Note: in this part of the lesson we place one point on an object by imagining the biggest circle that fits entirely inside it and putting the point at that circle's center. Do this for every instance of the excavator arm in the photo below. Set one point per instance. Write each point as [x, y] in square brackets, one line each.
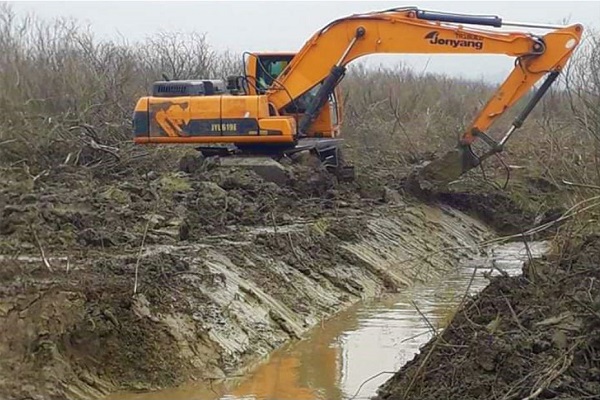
[324, 57]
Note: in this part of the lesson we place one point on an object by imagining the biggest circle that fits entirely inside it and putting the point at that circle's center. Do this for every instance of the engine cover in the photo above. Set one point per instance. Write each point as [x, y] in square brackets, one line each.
[207, 87]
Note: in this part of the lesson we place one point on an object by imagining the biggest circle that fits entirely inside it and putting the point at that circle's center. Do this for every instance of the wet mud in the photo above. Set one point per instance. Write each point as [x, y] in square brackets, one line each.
[165, 278]
[509, 206]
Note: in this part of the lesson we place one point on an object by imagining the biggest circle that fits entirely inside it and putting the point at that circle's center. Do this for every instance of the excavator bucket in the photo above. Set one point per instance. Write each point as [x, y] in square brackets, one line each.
[439, 173]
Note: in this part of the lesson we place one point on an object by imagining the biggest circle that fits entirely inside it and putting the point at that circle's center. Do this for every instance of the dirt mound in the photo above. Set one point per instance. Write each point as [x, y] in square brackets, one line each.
[222, 200]
[81, 334]
[70, 208]
[535, 335]
[524, 203]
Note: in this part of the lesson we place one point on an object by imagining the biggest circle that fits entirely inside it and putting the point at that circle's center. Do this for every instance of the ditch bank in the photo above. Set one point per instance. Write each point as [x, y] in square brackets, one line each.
[160, 279]
[523, 337]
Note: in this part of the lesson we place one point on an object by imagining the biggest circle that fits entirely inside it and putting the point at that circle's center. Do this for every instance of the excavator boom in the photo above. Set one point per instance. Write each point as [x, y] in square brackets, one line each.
[409, 30]
[393, 32]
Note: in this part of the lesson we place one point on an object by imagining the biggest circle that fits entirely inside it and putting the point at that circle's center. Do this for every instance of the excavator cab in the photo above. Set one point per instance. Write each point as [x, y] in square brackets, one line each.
[262, 73]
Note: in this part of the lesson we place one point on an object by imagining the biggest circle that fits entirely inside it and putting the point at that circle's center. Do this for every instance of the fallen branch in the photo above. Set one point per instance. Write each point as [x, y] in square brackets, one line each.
[513, 313]
[553, 374]
[137, 262]
[41, 250]
[107, 149]
[89, 133]
[367, 381]
[429, 324]
[8, 142]
[500, 270]
[586, 306]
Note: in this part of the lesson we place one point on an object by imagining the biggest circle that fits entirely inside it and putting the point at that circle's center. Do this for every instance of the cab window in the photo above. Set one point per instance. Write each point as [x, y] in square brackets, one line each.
[333, 106]
[268, 69]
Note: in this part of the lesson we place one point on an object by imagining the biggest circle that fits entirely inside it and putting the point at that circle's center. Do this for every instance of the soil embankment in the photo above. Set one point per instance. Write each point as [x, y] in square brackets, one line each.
[225, 267]
[524, 337]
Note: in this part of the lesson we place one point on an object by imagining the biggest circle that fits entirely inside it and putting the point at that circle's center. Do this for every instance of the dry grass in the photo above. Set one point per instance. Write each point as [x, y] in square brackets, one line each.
[67, 98]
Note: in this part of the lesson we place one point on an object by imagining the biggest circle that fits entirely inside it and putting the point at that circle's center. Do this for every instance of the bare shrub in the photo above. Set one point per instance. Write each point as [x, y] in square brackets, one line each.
[427, 111]
[583, 82]
[68, 98]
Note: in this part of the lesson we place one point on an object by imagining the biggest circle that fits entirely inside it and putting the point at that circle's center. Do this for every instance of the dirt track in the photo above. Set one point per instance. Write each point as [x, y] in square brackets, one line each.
[230, 268]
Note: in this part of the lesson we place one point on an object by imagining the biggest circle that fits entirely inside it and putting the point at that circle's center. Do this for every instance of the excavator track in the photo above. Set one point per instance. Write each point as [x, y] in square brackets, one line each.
[330, 155]
[271, 165]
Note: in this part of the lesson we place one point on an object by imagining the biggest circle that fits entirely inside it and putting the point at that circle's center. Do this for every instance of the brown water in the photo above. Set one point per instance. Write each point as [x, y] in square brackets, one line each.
[352, 354]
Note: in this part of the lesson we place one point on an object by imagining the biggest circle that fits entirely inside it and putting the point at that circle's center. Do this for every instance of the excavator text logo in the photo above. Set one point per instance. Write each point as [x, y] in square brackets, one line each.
[462, 40]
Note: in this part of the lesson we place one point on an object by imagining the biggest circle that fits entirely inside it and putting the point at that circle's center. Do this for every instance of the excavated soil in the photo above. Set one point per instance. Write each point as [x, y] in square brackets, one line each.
[153, 280]
[531, 336]
[526, 200]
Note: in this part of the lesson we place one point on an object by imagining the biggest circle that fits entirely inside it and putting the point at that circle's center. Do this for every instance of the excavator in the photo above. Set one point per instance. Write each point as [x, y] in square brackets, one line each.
[286, 103]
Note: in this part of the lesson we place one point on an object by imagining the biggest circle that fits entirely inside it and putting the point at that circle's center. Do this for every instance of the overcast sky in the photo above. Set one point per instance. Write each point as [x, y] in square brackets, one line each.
[279, 26]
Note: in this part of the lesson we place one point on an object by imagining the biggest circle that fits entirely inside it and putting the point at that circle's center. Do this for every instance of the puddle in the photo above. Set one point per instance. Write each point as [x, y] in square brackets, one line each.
[370, 338]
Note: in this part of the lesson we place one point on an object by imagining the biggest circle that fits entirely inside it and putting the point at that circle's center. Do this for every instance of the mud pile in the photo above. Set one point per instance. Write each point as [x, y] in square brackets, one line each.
[525, 202]
[160, 278]
[68, 208]
[531, 336]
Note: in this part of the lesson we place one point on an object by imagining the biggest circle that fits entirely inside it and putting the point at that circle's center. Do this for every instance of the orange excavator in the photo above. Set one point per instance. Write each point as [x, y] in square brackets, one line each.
[289, 102]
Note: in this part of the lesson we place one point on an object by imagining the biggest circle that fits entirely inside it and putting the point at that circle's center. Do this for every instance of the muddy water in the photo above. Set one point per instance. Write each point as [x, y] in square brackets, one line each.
[352, 354]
